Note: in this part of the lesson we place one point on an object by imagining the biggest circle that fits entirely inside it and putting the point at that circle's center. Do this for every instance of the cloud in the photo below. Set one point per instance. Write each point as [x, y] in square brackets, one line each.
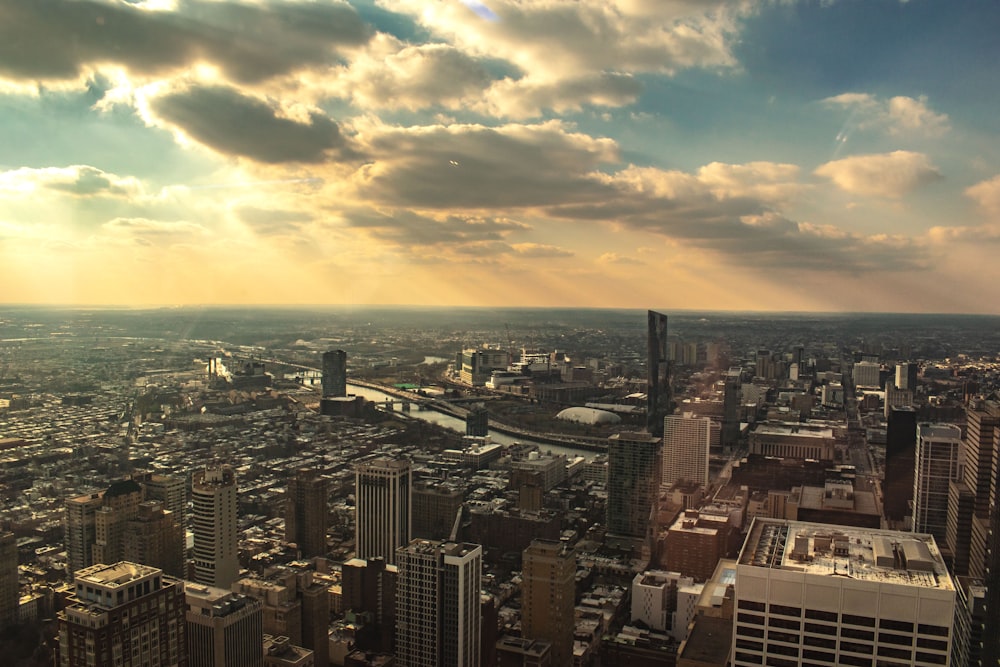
[143, 231]
[540, 250]
[75, 180]
[473, 166]
[551, 40]
[232, 123]
[890, 175]
[897, 115]
[393, 75]
[272, 220]
[408, 228]
[247, 41]
[986, 194]
[527, 97]
[615, 258]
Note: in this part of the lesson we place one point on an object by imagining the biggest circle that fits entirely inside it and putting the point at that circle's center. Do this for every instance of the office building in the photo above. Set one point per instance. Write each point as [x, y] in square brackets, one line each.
[696, 542]
[281, 652]
[794, 441]
[306, 503]
[896, 398]
[937, 465]
[438, 613]
[477, 422]
[665, 602]
[369, 589]
[866, 374]
[436, 509]
[168, 489]
[900, 460]
[9, 591]
[81, 512]
[520, 652]
[658, 398]
[154, 537]
[732, 397]
[334, 374]
[223, 628]
[383, 510]
[835, 595]
[476, 366]
[686, 441]
[213, 520]
[123, 615]
[633, 482]
[906, 376]
[120, 504]
[548, 597]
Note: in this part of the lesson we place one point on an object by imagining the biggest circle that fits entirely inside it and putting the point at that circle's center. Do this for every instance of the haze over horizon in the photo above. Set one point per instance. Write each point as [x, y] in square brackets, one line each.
[744, 156]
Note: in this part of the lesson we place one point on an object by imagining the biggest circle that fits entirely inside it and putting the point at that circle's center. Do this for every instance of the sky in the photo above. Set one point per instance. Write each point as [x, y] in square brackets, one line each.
[775, 155]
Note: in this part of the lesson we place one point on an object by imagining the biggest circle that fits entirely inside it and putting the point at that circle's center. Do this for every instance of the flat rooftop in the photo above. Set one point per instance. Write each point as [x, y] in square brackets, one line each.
[118, 574]
[886, 556]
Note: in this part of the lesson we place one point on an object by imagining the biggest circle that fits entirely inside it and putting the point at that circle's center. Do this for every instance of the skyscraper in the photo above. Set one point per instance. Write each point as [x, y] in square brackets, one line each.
[937, 465]
[900, 448]
[731, 399]
[686, 441]
[224, 629]
[438, 609]
[306, 512]
[549, 596]
[9, 593]
[383, 514]
[120, 504]
[334, 374]
[153, 537]
[123, 615]
[633, 481]
[81, 514]
[906, 376]
[658, 399]
[213, 496]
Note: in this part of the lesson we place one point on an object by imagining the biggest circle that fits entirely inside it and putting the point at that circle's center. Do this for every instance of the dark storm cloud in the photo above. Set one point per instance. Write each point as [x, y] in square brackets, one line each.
[56, 39]
[235, 124]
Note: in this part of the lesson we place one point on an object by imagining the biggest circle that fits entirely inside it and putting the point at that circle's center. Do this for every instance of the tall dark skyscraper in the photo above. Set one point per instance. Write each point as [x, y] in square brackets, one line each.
[477, 422]
[658, 370]
[732, 395]
[334, 374]
[306, 512]
[900, 462]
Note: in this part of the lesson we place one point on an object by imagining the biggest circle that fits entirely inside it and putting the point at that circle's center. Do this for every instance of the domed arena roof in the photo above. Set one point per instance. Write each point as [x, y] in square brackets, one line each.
[588, 416]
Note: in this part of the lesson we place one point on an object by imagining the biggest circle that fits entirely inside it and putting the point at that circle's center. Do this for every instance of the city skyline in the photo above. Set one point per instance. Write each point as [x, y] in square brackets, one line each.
[755, 156]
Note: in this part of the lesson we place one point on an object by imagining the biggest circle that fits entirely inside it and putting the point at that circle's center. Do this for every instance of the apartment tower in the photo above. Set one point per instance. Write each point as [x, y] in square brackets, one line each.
[900, 460]
[438, 609]
[383, 514]
[938, 457]
[633, 480]
[334, 374]
[658, 399]
[213, 496]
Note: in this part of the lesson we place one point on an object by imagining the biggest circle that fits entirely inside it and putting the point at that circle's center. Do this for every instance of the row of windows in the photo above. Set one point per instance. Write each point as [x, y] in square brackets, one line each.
[846, 619]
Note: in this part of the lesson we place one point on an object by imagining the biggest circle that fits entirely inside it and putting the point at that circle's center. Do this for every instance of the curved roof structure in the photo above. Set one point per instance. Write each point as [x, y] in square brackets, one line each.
[588, 416]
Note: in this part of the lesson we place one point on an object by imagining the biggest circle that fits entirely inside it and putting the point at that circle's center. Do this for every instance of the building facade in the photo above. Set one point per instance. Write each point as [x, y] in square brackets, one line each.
[658, 398]
[213, 496]
[900, 461]
[334, 377]
[383, 510]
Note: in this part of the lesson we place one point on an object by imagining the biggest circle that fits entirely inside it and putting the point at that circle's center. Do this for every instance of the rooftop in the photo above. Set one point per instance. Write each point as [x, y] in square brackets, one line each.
[118, 574]
[909, 559]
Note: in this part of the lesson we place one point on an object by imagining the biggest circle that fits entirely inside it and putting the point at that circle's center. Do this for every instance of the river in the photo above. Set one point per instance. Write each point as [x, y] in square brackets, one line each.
[456, 424]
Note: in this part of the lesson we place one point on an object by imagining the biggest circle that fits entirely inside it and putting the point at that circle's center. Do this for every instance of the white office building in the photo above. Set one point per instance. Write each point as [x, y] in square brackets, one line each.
[818, 594]
[213, 521]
